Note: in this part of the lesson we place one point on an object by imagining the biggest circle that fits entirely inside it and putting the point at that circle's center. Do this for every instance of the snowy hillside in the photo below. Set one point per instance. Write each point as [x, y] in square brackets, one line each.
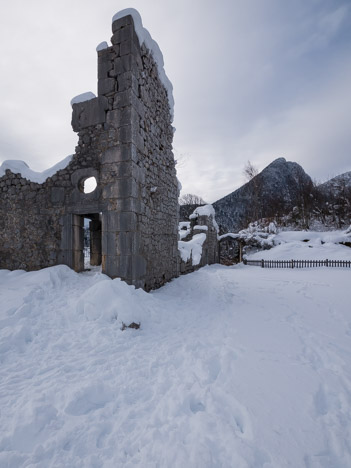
[232, 367]
[278, 188]
[285, 194]
[337, 184]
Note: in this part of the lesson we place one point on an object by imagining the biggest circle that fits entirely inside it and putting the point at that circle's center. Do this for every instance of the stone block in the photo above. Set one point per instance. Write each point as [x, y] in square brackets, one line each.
[122, 99]
[109, 265]
[110, 222]
[126, 34]
[140, 143]
[104, 66]
[111, 118]
[124, 64]
[66, 233]
[106, 86]
[125, 266]
[126, 81]
[128, 133]
[106, 55]
[124, 169]
[111, 243]
[127, 221]
[129, 204]
[88, 113]
[125, 116]
[116, 154]
[77, 220]
[117, 170]
[126, 47]
[127, 188]
[120, 153]
[124, 243]
[103, 242]
[78, 237]
[128, 243]
[118, 266]
[138, 267]
[121, 23]
[78, 260]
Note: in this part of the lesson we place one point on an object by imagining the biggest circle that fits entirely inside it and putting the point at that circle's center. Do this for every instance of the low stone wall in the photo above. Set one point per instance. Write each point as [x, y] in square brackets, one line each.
[202, 221]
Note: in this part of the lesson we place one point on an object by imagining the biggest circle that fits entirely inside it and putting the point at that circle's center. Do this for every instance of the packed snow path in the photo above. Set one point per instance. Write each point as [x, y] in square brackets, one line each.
[232, 367]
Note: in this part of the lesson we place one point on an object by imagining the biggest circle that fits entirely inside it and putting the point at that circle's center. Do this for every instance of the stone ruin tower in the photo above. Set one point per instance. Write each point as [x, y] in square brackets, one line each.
[125, 142]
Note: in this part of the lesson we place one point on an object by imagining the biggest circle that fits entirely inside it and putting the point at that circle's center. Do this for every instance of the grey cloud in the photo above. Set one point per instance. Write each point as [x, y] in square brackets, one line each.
[252, 80]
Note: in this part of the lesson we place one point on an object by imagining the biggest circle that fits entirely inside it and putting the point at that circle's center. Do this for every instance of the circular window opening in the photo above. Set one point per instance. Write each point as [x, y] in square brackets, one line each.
[88, 185]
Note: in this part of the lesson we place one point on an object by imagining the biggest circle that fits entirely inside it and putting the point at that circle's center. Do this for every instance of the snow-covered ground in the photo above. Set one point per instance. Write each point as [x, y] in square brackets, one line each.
[307, 245]
[232, 367]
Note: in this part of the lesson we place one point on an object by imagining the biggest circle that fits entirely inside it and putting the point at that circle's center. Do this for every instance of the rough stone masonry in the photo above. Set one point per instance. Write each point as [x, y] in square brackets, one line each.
[125, 142]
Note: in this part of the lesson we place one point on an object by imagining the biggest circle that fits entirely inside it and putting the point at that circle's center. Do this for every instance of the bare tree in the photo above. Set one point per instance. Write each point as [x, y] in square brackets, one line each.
[191, 199]
[250, 171]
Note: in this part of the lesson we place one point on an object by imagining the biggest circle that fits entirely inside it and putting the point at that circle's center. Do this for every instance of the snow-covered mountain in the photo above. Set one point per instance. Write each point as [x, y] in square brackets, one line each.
[277, 189]
[337, 184]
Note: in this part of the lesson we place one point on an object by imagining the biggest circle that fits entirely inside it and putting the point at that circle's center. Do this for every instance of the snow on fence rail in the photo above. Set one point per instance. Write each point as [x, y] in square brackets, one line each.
[299, 263]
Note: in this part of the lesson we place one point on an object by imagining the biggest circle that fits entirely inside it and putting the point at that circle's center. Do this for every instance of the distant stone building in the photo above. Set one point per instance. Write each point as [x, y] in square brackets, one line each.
[125, 143]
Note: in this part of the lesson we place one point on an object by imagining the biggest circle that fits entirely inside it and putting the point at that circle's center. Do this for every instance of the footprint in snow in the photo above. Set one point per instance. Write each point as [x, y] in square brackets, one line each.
[89, 399]
[196, 406]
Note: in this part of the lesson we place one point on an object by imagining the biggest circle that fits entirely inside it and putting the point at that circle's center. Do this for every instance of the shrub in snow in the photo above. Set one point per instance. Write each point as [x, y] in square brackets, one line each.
[134, 325]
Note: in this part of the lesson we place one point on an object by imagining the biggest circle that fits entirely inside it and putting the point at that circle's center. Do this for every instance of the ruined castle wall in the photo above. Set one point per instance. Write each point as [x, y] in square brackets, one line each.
[33, 215]
[158, 187]
[202, 224]
[29, 229]
[125, 142]
[145, 239]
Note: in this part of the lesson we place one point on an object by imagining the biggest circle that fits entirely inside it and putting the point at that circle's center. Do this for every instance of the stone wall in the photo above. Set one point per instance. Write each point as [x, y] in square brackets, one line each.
[29, 225]
[125, 142]
[206, 224]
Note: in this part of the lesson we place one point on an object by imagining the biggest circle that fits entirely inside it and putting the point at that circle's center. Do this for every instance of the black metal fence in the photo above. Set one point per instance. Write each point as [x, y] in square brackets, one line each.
[299, 263]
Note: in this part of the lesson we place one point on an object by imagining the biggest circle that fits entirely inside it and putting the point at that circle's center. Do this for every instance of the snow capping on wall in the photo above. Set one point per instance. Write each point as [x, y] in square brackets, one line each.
[206, 210]
[20, 167]
[192, 249]
[83, 97]
[145, 38]
[102, 46]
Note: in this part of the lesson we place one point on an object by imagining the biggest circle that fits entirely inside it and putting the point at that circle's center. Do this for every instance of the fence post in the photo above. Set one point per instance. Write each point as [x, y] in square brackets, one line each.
[326, 262]
[244, 261]
[262, 263]
[292, 263]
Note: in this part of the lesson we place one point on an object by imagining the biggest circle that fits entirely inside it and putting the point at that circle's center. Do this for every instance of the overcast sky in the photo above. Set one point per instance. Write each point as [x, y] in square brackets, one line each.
[253, 80]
